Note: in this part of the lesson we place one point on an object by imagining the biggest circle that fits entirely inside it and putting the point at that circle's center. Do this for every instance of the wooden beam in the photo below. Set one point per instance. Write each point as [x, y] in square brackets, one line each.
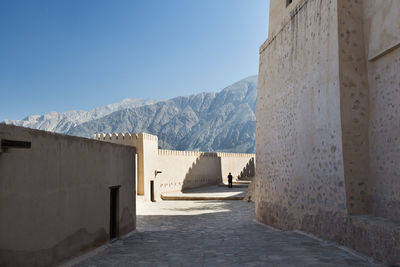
[5, 143]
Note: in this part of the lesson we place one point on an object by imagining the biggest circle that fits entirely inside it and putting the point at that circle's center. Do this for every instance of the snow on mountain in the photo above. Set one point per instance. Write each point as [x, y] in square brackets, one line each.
[223, 121]
[63, 122]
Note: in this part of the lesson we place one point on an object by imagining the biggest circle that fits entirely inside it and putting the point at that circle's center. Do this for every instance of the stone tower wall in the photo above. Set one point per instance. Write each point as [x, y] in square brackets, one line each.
[299, 144]
[328, 133]
[382, 51]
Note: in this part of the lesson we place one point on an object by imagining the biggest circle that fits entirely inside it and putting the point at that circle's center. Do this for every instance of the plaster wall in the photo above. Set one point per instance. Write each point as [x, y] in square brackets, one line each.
[300, 172]
[241, 165]
[277, 23]
[186, 169]
[382, 39]
[382, 27]
[127, 139]
[55, 196]
[327, 132]
[354, 105]
[147, 159]
[181, 170]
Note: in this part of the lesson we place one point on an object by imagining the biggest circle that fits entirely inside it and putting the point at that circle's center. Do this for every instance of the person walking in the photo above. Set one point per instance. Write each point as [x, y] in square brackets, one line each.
[230, 177]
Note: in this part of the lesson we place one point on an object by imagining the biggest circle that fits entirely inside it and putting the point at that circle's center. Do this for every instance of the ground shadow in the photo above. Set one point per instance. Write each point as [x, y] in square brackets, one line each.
[226, 237]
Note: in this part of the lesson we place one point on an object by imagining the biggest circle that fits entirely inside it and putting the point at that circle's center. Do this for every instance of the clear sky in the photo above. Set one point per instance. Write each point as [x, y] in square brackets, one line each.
[59, 55]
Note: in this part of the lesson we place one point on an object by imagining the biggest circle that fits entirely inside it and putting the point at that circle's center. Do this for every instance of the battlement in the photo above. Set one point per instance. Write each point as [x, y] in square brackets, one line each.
[120, 138]
[114, 136]
[165, 152]
[235, 155]
[150, 137]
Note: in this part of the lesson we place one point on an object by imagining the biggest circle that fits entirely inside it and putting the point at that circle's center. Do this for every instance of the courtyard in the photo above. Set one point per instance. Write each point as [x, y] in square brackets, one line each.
[214, 233]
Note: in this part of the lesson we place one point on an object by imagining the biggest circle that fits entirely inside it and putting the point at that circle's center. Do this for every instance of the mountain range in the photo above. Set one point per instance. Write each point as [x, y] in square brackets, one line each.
[222, 121]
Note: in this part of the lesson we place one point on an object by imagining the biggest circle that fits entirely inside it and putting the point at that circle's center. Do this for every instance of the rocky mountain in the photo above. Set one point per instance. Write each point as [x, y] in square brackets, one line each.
[223, 121]
[63, 122]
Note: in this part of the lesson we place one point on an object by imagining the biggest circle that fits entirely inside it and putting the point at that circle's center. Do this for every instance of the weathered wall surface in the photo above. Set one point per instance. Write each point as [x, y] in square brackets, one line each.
[381, 27]
[299, 145]
[354, 105]
[55, 196]
[385, 135]
[327, 123]
[382, 38]
[277, 23]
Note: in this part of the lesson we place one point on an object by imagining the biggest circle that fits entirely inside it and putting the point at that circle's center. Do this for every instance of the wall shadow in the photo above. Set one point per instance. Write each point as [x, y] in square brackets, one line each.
[203, 171]
[249, 171]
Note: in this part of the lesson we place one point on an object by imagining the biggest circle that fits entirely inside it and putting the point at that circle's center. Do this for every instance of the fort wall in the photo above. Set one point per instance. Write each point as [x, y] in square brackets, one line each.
[55, 195]
[174, 171]
[299, 144]
[186, 169]
[327, 137]
[241, 165]
[382, 40]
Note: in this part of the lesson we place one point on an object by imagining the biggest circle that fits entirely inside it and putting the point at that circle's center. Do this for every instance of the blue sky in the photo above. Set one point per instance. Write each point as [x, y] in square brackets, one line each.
[59, 55]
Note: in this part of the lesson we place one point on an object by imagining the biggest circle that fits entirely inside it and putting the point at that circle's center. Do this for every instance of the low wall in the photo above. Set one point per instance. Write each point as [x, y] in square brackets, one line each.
[55, 196]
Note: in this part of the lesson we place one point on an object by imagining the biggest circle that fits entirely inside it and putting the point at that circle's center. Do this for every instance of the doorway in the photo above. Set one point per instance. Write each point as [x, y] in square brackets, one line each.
[114, 199]
[152, 191]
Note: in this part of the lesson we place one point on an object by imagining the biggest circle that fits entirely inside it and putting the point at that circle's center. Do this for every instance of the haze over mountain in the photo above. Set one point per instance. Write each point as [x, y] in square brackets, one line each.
[223, 121]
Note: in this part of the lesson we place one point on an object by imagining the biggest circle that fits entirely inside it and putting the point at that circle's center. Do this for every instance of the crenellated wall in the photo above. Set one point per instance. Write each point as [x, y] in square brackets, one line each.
[180, 170]
[121, 138]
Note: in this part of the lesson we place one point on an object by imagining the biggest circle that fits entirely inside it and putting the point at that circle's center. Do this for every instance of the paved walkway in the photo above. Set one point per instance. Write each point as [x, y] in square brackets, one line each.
[214, 233]
[208, 193]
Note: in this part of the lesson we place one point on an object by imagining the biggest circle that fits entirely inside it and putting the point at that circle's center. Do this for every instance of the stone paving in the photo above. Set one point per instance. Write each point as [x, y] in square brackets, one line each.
[214, 233]
[208, 193]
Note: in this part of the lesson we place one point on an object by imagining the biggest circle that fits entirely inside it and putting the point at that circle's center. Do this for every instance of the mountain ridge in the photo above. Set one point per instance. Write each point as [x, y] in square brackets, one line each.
[208, 121]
